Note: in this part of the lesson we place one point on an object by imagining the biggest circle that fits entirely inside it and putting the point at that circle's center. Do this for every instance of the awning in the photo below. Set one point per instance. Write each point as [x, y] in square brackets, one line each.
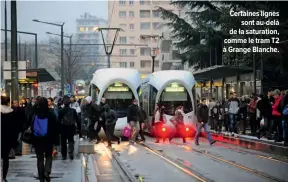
[219, 71]
[44, 75]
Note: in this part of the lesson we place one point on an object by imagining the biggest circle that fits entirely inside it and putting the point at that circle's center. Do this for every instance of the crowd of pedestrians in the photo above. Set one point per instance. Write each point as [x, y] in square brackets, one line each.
[265, 115]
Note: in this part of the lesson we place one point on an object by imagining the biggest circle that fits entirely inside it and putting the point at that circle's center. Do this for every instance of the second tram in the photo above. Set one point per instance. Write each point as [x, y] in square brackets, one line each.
[171, 88]
[119, 86]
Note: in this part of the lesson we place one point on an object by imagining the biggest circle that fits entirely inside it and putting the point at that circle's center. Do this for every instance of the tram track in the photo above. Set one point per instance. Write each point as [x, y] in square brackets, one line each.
[220, 159]
[95, 169]
[188, 171]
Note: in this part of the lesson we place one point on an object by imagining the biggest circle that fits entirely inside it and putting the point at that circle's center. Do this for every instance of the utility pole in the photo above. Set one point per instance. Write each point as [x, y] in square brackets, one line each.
[6, 43]
[14, 56]
[108, 53]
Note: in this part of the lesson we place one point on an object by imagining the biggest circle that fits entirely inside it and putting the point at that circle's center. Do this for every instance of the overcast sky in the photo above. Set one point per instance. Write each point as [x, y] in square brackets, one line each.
[51, 11]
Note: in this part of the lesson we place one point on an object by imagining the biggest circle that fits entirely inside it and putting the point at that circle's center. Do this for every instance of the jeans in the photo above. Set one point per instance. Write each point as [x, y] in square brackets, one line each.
[19, 147]
[206, 129]
[135, 129]
[233, 122]
[44, 150]
[283, 127]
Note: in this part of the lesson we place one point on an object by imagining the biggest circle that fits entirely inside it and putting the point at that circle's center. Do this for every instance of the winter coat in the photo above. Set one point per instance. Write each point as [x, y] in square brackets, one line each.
[9, 134]
[202, 113]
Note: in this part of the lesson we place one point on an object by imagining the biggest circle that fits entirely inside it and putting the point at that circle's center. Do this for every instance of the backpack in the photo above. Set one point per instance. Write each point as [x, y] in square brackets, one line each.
[40, 127]
[68, 119]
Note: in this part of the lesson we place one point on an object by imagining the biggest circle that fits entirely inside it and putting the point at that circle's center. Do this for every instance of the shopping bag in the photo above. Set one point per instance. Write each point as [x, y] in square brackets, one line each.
[27, 136]
[127, 131]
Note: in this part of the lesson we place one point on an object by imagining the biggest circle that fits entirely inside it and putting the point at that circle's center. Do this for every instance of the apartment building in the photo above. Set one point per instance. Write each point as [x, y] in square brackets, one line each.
[137, 19]
[86, 33]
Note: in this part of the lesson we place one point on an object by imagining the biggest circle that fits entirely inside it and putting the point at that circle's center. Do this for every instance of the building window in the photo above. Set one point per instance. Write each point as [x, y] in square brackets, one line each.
[156, 63]
[123, 65]
[131, 14]
[132, 51]
[131, 2]
[86, 29]
[131, 27]
[157, 25]
[131, 39]
[122, 25]
[145, 51]
[123, 52]
[122, 14]
[156, 13]
[131, 64]
[122, 2]
[144, 13]
[81, 29]
[123, 40]
[145, 26]
[143, 2]
[145, 63]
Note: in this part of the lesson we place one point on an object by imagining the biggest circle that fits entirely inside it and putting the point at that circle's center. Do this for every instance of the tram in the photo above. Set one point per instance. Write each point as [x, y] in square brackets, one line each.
[119, 86]
[170, 88]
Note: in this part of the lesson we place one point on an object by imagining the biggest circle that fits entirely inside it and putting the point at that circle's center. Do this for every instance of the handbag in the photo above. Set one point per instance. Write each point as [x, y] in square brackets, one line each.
[27, 136]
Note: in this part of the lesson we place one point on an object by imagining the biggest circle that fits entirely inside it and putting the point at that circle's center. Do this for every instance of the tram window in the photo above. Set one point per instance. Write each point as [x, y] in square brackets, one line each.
[152, 100]
[119, 101]
[172, 100]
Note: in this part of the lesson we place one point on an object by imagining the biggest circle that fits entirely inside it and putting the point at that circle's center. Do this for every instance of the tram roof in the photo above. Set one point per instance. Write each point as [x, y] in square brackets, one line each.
[160, 78]
[104, 76]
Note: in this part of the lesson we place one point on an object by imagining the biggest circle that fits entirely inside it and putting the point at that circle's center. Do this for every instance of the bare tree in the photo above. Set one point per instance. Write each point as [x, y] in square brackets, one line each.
[72, 70]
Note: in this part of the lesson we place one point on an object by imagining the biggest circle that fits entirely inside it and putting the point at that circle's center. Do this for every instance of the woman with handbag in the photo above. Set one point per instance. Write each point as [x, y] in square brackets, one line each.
[9, 133]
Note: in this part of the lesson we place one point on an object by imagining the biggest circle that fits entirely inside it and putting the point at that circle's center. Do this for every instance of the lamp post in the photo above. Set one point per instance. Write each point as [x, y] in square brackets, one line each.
[62, 60]
[69, 59]
[14, 56]
[153, 54]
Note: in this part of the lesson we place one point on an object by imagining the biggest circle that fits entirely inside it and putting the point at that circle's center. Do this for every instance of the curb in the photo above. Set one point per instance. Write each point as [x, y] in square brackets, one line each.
[272, 148]
[123, 167]
[257, 145]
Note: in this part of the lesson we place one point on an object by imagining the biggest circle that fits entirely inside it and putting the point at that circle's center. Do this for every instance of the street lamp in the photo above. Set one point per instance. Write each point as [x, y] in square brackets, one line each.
[70, 55]
[62, 60]
[153, 54]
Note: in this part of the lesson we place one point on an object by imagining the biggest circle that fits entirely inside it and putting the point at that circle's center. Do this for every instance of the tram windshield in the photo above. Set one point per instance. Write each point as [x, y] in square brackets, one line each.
[173, 96]
[119, 96]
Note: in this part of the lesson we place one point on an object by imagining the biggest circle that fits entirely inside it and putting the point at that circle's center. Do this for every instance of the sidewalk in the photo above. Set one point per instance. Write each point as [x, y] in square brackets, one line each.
[250, 142]
[24, 169]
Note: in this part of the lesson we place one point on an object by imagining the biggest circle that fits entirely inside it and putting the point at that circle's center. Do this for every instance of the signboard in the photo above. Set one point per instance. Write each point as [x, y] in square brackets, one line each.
[174, 87]
[118, 89]
[7, 68]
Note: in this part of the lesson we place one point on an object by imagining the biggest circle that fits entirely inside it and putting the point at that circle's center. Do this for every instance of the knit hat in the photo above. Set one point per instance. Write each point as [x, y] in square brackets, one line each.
[88, 99]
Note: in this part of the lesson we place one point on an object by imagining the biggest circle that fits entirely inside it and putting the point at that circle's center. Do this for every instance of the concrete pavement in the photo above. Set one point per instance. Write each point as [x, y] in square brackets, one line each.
[24, 169]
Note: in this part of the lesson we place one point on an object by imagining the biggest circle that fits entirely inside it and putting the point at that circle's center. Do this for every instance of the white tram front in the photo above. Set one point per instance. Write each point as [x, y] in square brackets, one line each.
[171, 88]
[119, 86]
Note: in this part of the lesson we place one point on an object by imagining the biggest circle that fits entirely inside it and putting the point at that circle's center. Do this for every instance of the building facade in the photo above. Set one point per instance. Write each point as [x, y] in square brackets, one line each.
[87, 33]
[137, 19]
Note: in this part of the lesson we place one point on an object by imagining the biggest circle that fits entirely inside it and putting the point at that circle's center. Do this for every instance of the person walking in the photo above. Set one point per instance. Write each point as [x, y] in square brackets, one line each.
[44, 130]
[110, 123]
[9, 134]
[68, 124]
[93, 112]
[202, 116]
[133, 119]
